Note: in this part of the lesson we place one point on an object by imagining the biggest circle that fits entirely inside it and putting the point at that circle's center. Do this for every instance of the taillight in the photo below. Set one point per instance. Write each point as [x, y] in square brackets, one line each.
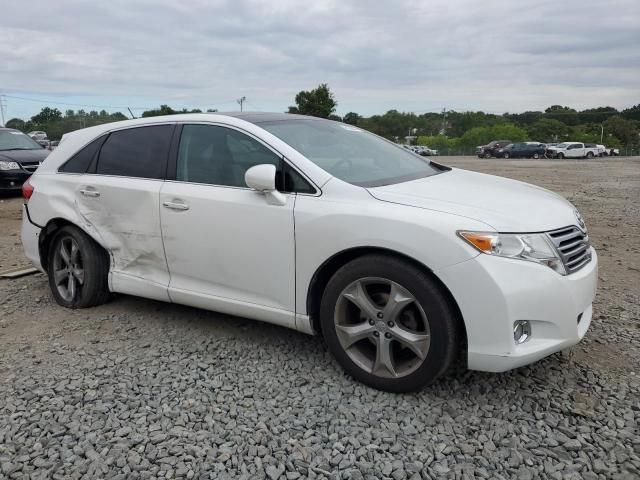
[27, 190]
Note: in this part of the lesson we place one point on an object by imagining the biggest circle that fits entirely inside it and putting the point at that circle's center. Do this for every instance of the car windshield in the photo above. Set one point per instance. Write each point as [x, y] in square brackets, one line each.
[350, 153]
[14, 140]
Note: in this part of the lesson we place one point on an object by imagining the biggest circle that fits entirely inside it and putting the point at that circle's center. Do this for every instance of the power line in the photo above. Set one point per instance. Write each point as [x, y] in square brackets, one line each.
[37, 100]
[121, 107]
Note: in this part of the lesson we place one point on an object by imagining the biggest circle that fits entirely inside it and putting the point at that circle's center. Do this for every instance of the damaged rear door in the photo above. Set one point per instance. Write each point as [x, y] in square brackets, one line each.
[120, 199]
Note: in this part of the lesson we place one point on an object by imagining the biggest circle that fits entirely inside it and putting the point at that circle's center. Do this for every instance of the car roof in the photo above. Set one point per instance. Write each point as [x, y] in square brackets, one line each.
[250, 117]
[259, 117]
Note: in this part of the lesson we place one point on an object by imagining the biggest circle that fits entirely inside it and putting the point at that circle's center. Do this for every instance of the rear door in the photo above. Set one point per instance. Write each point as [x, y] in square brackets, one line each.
[119, 199]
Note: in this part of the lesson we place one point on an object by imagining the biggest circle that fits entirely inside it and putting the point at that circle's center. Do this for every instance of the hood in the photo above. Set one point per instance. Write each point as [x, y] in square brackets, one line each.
[504, 204]
[24, 156]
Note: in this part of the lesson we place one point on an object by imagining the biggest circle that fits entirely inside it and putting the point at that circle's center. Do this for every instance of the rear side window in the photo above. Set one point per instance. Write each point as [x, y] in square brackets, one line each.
[137, 152]
[80, 162]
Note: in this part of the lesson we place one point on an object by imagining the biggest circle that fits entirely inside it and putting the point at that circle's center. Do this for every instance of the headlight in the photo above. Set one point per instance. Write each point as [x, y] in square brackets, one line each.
[533, 247]
[9, 165]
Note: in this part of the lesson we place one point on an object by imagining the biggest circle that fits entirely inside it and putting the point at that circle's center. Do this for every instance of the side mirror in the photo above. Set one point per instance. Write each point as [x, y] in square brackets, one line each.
[262, 178]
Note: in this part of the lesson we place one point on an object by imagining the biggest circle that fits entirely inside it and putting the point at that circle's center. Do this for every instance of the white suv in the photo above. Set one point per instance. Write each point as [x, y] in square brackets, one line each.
[403, 265]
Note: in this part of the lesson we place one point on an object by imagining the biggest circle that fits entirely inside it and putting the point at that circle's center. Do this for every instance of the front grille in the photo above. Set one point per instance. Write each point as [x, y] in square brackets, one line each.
[573, 246]
[30, 167]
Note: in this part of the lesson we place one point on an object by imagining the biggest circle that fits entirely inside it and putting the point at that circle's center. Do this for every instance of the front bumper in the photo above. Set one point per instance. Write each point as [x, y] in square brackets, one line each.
[495, 292]
[12, 180]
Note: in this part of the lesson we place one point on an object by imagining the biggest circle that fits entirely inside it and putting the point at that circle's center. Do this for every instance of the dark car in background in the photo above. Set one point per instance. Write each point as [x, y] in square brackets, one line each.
[20, 155]
[491, 149]
[522, 150]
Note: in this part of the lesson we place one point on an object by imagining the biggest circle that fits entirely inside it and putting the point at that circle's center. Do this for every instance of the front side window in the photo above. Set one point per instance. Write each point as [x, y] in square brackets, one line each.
[350, 153]
[15, 140]
[219, 156]
[136, 152]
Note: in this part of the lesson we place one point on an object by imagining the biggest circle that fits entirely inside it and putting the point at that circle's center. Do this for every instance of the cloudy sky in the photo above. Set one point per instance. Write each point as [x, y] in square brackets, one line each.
[410, 55]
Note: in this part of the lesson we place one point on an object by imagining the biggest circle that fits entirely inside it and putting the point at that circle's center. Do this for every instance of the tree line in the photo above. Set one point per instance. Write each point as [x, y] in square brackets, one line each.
[447, 131]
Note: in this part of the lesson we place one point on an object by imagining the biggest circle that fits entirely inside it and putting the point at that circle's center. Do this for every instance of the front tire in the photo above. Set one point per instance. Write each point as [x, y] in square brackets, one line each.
[536, 156]
[77, 269]
[388, 323]
[560, 156]
[589, 155]
[505, 155]
[487, 155]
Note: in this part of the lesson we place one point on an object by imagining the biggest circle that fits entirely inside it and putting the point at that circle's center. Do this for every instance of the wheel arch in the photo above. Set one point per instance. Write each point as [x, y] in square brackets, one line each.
[47, 234]
[329, 267]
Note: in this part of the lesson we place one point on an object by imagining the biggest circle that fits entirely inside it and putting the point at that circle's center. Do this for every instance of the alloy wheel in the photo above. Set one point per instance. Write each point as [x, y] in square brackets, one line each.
[67, 269]
[381, 327]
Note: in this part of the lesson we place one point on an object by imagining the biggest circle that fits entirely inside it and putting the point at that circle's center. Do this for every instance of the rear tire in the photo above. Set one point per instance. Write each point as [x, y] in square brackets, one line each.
[589, 154]
[536, 156]
[505, 155]
[388, 323]
[78, 269]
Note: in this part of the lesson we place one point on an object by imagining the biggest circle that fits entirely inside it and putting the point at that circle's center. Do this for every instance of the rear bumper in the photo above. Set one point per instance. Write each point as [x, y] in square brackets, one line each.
[494, 292]
[30, 240]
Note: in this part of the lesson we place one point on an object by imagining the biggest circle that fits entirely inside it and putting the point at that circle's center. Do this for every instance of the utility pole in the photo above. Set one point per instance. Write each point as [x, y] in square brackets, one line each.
[443, 130]
[2, 106]
[241, 101]
[601, 132]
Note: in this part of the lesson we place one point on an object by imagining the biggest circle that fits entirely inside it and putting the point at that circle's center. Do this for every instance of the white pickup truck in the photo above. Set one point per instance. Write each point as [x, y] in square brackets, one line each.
[572, 150]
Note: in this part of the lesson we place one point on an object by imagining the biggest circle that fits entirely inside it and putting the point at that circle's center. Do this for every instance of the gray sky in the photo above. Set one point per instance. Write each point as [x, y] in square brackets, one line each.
[495, 56]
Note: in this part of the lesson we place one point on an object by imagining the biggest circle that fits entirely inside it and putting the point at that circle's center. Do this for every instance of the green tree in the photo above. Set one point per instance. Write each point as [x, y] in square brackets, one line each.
[596, 115]
[624, 130]
[548, 130]
[319, 102]
[632, 113]
[352, 118]
[16, 123]
[46, 115]
[163, 110]
[566, 115]
[483, 135]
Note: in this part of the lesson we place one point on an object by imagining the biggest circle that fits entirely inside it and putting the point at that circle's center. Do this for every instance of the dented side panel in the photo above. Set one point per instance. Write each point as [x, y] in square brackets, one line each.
[124, 214]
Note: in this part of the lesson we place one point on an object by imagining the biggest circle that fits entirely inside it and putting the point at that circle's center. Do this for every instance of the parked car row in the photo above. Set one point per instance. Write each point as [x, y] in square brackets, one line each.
[508, 149]
[422, 150]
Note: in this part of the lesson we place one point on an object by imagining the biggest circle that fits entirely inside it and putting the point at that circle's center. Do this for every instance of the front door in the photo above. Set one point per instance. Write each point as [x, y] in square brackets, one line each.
[227, 248]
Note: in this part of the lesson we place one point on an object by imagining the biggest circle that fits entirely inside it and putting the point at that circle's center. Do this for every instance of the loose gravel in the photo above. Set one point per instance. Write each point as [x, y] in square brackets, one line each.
[142, 389]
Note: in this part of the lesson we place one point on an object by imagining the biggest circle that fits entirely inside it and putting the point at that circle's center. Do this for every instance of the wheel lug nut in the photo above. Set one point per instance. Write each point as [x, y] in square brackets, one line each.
[371, 322]
[387, 335]
[380, 315]
[391, 324]
[376, 334]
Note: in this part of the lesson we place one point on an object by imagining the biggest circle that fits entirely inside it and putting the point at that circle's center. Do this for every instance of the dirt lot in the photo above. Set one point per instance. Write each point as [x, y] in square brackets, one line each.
[142, 389]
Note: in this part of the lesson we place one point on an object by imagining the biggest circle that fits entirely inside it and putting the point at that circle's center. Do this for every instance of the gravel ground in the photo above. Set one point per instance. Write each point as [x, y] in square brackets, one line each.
[142, 389]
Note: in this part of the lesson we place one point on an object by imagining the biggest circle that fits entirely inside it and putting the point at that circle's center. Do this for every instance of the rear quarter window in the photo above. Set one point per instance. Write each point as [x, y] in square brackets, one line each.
[81, 161]
[136, 152]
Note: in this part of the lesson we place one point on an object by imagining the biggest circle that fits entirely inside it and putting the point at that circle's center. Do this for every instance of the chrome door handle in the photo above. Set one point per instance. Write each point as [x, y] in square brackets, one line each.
[90, 193]
[176, 205]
